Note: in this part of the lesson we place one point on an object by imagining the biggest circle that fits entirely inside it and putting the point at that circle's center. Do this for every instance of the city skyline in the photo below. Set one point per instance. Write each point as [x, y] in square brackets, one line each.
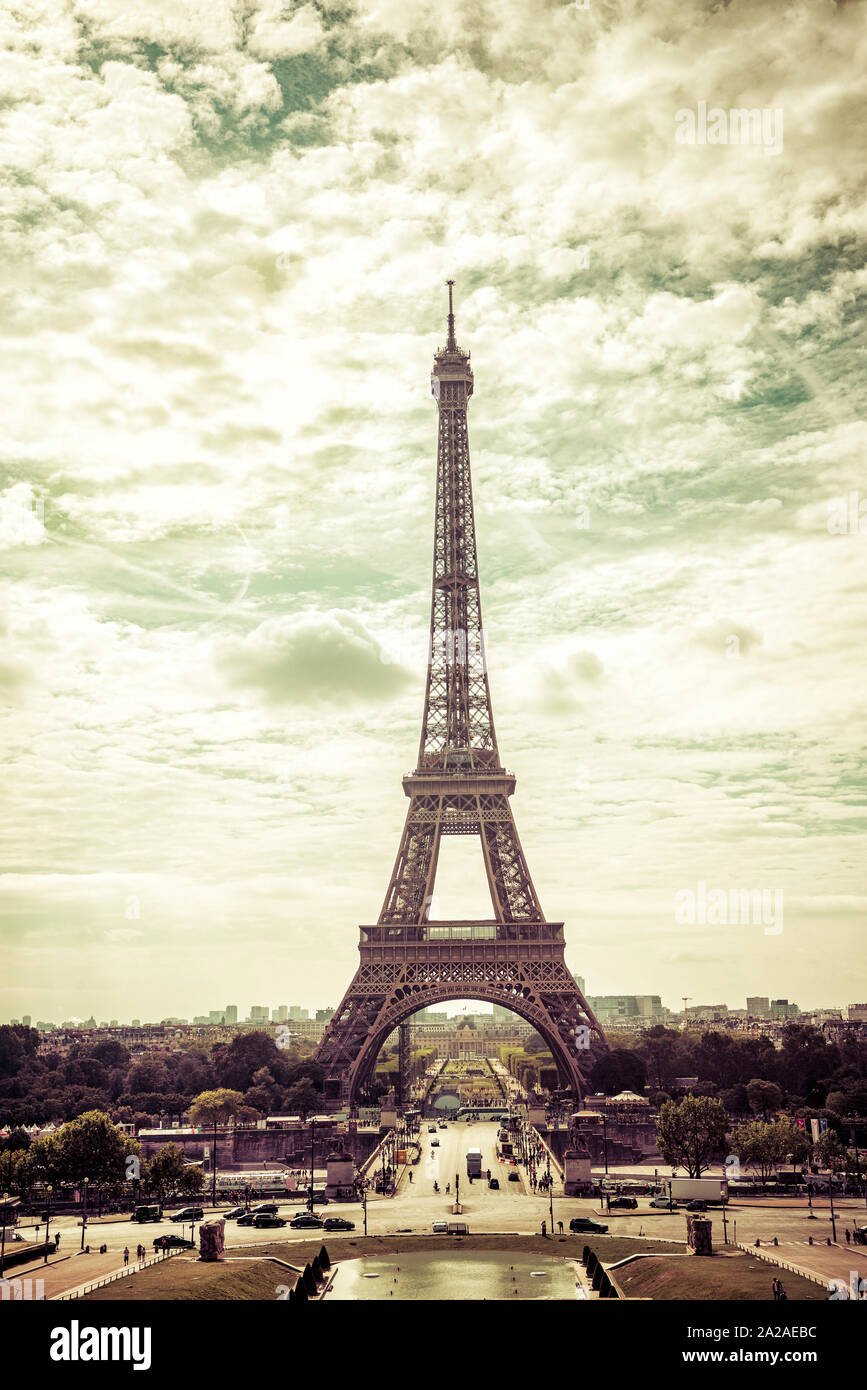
[217, 501]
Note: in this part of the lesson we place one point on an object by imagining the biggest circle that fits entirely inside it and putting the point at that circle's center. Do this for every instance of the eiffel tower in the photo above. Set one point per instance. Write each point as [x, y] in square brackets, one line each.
[408, 961]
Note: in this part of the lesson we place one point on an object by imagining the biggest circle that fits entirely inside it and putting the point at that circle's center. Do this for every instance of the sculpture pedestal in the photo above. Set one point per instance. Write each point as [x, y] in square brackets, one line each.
[698, 1235]
[212, 1240]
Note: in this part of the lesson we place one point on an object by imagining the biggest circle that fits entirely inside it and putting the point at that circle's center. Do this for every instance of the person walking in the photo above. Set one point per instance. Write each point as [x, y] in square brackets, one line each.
[57, 1241]
[126, 1255]
[560, 1227]
[775, 1288]
[544, 1229]
[848, 1235]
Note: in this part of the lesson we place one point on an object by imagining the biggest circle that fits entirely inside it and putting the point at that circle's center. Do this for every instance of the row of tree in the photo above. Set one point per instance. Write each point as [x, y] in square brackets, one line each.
[38, 1086]
[695, 1132]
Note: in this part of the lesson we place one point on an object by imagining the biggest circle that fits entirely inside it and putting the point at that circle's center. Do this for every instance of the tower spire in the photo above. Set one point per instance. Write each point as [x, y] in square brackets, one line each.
[451, 345]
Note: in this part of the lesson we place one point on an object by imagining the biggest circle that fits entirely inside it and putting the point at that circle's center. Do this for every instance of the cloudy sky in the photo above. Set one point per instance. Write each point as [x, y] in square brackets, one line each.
[225, 232]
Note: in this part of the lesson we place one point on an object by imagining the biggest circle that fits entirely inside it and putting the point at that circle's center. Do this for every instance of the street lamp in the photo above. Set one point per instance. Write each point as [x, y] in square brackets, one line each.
[550, 1195]
[49, 1190]
[84, 1211]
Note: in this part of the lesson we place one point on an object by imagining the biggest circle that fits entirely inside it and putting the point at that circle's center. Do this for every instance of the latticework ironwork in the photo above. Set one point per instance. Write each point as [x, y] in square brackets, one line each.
[459, 787]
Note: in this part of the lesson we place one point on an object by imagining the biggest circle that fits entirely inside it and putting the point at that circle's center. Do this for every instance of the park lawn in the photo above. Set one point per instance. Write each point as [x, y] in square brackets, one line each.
[190, 1281]
[722, 1278]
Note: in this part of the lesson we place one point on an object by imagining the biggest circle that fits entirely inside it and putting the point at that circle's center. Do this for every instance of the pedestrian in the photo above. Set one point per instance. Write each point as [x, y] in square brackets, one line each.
[560, 1227]
[410, 1177]
[781, 1292]
[775, 1288]
[126, 1255]
[544, 1229]
[848, 1236]
[57, 1240]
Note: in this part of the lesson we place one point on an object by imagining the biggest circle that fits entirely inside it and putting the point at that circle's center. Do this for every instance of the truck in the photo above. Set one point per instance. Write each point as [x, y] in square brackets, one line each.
[474, 1163]
[688, 1189]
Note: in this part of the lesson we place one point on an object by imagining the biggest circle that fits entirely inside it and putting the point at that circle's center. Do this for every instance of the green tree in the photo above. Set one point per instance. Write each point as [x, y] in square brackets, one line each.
[763, 1096]
[691, 1133]
[215, 1108]
[303, 1099]
[764, 1146]
[167, 1174]
[91, 1147]
[828, 1151]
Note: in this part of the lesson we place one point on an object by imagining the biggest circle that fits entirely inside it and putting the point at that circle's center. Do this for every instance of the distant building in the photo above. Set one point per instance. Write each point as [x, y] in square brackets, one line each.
[296, 1013]
[324, 1015]
[856, 1013]
[231, 1013]
[781, 1008]
[758, 1006]
[25, 1019]
[280, 1014]
[258, 1013]
[608, 1008]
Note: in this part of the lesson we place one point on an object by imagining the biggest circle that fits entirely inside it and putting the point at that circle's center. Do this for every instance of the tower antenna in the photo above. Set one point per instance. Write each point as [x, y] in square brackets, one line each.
[451, 345]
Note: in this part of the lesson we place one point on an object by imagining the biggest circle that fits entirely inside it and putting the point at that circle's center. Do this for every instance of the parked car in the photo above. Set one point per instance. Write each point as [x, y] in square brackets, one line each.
[628, 1203]
[663, 1202]
[338, 1223]
[494, 1184]
[585, 1223]
[696, 1205]
[305, 1219]
[440, 1228]
[234, 1213]
[268, 1218]
[189, 1214]
[513, 1177]
[173, 1242]
[435, 1143]
[431, 1129]
[442, 1124]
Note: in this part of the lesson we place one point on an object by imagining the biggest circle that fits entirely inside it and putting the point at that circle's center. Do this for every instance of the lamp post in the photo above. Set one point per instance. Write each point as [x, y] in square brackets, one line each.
[84, 1212]
[3, 1237]
[312, 1123]
[364, 1206]
[550, 1195]
[49, 1190]
[605, 1141]
[725, 1231]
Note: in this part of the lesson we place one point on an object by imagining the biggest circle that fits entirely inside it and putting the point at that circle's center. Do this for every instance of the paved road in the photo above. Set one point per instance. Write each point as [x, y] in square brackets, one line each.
[511, 1209]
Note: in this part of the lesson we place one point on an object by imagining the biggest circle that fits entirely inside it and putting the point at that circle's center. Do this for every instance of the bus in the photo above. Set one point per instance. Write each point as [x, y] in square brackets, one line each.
[474, 1163]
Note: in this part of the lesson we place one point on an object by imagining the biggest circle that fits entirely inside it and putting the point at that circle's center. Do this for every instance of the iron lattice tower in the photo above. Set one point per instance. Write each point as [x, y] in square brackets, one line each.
[459, 787]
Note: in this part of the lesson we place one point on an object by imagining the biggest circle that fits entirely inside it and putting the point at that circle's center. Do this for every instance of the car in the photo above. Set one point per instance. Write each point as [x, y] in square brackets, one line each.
[696, 1205]
[246, 1218]
[149, 1213]
[234, 1213]
[173, 1242]
[440, 1228]
[189, 1214]
[268, 1218]
[435, 1143]
[269, 1208]
[338, 1223]
[513, 1177]
[585, 1223]
[628, 1203]
[305, 1219]
[443, 1124]
[431, 1129]
[663, 1202]
[494, 1184]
